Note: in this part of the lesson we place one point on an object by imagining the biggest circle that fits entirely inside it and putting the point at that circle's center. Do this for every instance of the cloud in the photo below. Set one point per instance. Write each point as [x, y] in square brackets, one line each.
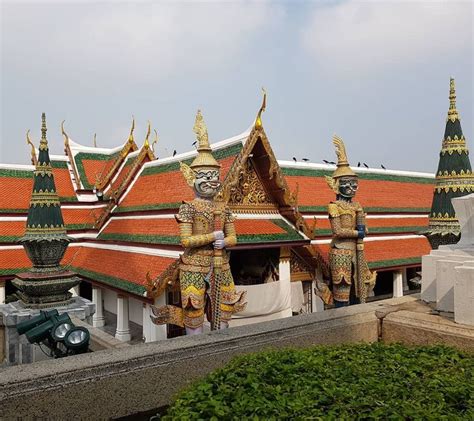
[353, 37]
[145, 41]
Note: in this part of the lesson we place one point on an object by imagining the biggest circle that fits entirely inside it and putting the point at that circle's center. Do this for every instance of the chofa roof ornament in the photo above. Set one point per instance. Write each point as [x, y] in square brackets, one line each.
[258, 120]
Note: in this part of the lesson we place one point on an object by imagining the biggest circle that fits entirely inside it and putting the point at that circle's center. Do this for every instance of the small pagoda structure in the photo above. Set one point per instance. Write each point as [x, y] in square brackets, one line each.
[45, 241]
[454, 178]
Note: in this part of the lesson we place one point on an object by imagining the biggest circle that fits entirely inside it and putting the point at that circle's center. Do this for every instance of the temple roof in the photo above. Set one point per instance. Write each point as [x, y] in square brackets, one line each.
[138, 234]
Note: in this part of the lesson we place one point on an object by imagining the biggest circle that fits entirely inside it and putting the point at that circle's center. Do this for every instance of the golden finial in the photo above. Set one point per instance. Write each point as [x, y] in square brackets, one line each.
[130, 137]
[34, 160]
[453, 114]
[201, 131]
[43, 141]
[155, 141]
[204, 158]
[258, 121]
[95, 140]
[343, 168]
[147, 144]
[66, 137]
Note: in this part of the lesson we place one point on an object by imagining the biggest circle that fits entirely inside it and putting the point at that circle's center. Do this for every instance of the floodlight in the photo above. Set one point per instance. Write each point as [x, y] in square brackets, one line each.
[77, 339]
[25, 326]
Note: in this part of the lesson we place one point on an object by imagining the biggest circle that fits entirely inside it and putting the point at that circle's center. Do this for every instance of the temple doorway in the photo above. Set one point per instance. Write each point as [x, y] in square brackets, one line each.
[255, 266]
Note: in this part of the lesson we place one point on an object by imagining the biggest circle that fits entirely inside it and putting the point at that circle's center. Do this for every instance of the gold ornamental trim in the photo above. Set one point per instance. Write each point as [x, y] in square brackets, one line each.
[453, 114]
[455, 188]
[454, 174]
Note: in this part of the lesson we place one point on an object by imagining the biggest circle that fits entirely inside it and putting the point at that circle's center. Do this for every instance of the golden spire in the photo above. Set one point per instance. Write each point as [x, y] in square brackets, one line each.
[43, 141]
[34, 160]
[155, 141]
[258, 120]
[146, 145]
[343, 168]
[453, 114]
[130, 137]
[204, 158]
[66, 137]
[95, 140]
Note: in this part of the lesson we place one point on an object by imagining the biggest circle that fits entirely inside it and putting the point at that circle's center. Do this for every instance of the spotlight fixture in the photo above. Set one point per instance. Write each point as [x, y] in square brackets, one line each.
[57, 332]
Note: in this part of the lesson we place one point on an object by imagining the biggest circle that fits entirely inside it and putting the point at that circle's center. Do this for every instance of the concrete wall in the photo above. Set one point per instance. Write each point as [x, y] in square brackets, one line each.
[119, 382]
[2, 343]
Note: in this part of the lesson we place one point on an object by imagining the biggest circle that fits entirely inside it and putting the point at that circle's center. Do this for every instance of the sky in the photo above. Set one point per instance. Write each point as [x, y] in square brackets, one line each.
[374, 72]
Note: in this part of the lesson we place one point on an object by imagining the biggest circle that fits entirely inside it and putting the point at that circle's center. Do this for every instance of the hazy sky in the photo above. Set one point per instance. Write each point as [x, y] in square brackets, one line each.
[376, 73]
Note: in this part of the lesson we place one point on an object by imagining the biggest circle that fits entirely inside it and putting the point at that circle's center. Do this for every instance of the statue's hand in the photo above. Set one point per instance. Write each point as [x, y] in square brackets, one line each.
[219, 235]
[219, 244]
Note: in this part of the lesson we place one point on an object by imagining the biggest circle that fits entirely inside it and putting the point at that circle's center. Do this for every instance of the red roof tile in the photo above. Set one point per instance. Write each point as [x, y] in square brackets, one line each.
[386, 253]
[314, 191]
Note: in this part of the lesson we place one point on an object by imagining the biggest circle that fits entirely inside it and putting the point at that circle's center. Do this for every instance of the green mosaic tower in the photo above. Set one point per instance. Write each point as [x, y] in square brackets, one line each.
[454, 178]
[45, 240]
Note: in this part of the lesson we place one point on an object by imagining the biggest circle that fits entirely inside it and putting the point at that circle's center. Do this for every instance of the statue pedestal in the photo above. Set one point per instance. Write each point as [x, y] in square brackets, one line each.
[448, 273]
[17, 349]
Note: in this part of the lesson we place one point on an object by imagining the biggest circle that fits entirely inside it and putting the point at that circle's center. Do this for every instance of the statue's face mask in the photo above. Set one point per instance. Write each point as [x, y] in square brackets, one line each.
[206, 183]
[348, 186]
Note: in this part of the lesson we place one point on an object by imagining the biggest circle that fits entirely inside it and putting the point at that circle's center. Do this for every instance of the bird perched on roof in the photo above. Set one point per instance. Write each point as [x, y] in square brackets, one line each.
[332, 163]
[294, 159]
[194, 143]
[305, 159]
[383, 167]
[174, 152]
[358, 164]
[326, 162]
[365, 165]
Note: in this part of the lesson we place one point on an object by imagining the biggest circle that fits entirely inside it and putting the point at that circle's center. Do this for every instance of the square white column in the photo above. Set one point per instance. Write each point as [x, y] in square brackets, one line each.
[464, 293]
[397, 283]
[123, 329]
[2, 293]
[405, 279]
[98, 319]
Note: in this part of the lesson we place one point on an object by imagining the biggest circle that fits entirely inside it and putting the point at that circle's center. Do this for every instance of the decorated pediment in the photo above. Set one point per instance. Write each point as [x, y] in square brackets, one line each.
[249, 193]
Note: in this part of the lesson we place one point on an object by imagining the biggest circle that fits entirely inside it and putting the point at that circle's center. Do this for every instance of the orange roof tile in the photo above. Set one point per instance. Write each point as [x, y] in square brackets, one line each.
[314, 191]
[15, 194]
[378, 225]
[165, 187]
[387, 253]
[117, 268]
[11, 231]
[80, 218]
[62, 180]
[13, 261]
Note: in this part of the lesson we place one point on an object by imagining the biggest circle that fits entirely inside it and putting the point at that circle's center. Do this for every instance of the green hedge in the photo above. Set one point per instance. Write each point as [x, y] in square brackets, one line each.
[350, 382]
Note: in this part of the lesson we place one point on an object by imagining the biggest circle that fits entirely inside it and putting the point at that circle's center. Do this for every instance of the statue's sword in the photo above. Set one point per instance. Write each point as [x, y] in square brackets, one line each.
[216, 284]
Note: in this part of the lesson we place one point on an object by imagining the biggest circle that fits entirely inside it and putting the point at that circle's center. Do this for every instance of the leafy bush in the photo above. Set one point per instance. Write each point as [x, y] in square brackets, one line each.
[350, 382]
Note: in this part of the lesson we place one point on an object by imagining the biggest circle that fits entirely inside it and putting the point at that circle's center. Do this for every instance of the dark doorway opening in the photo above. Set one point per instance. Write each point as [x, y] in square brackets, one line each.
[255, 266]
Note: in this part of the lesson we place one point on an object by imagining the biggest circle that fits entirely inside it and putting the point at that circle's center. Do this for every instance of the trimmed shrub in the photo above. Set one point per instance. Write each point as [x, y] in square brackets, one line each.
[349, 382]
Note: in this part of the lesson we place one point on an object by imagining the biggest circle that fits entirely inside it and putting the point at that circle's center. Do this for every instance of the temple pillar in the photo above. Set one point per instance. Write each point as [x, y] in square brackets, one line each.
[152, 332]
[123, 329]
[2, 293]
[284, 265]
[397, 283]
[98, 319]
[405, 279]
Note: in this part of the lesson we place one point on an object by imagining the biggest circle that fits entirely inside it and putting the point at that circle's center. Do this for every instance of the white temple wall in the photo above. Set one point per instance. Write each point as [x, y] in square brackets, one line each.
[135, 311]
[110, 300]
